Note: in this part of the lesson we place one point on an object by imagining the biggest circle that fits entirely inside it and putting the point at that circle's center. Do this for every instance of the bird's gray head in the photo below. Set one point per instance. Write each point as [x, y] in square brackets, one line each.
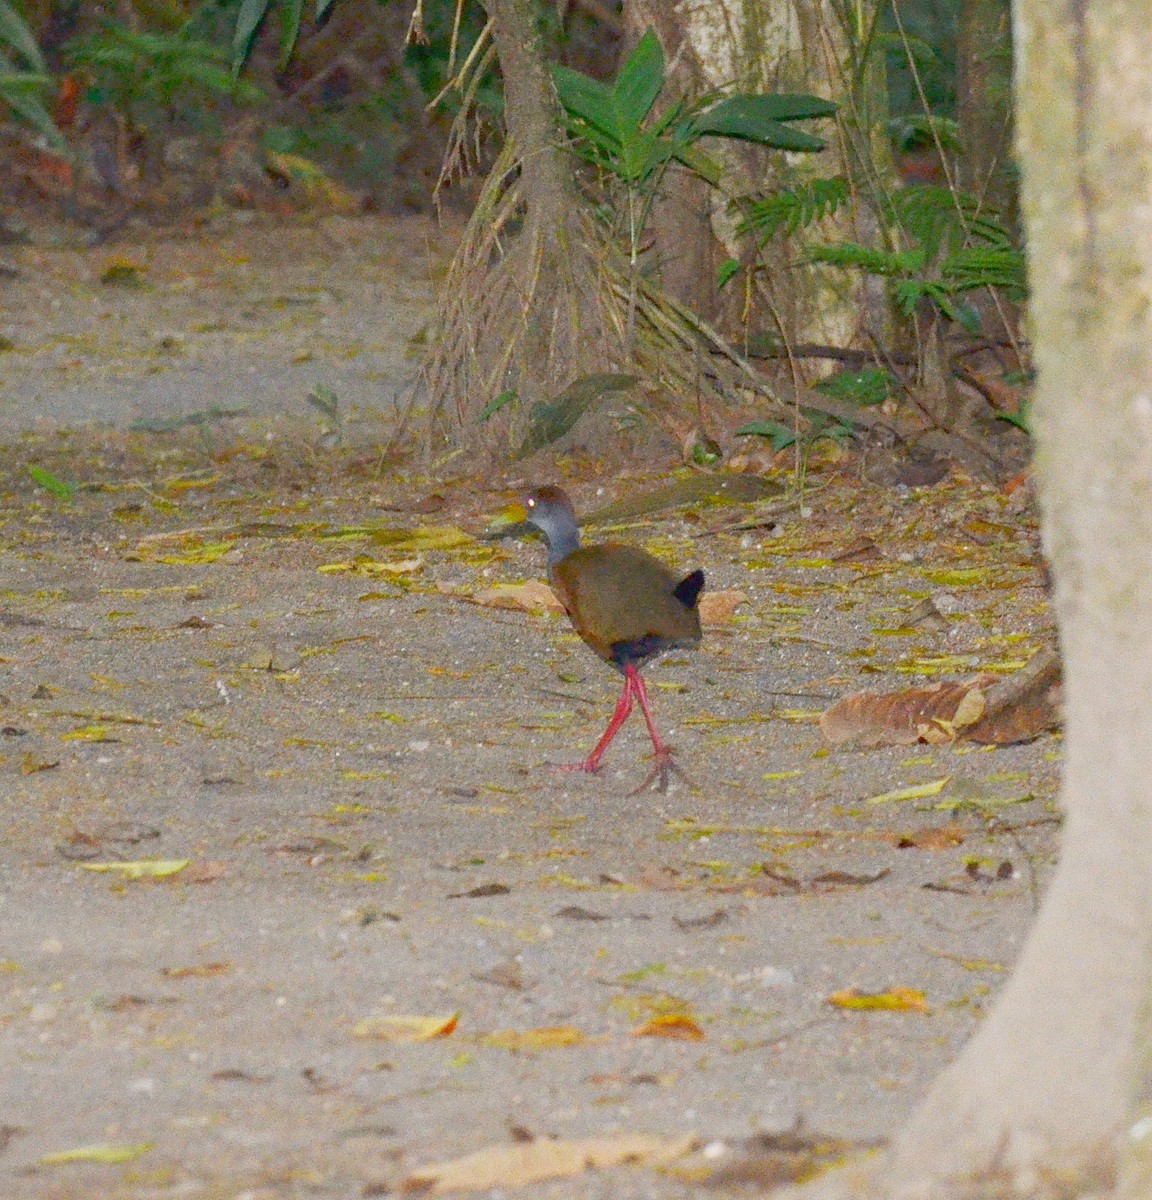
[550, 510]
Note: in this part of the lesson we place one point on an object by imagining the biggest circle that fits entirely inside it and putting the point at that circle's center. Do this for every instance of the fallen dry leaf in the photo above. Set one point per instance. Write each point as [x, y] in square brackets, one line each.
[97, 1154]
[676, 1026]
[555, 1037]
[896, 999]
[145, 868]
[362, 564]
[935, 837]
[427, 537]
[918, 791]
[406, 1029]
[521, 1163]
[205, 871]
[30, 765]
[718, 608]
[199, 971]
[933, 714]
[529, 596]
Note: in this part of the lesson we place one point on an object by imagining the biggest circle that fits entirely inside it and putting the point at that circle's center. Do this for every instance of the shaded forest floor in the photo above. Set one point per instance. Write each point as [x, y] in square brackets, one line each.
[258, 661]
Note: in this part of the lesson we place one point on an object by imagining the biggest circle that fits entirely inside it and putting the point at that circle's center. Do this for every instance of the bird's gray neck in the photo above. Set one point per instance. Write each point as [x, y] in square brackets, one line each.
[561, 543]
[562, 535]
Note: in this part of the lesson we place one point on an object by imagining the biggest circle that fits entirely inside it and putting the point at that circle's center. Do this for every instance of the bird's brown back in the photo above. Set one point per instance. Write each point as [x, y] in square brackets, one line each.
[619, 595]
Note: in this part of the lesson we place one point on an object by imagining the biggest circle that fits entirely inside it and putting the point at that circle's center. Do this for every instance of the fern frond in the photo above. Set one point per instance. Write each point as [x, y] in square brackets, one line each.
[867, 258]
[981, 267]
[796, 208]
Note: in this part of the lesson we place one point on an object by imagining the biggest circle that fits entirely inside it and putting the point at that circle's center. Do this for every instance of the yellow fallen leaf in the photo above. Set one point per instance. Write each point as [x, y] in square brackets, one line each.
[210, 552]
[918, 791]
[959, 577]
[428, 537]
[31, 765]
[188, 485]
[529, 596]
[554, 1037]
[406, 1029]
[97, 1154]
[199, 971]
[90, 733]
[363, 565]
[521, 1163]
[671, 1025]
[317, 187]
[896, 999]
[144, 868]
[718, 608]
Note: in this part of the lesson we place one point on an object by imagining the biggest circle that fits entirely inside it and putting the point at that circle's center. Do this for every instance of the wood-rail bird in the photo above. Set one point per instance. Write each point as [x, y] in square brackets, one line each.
[626, 605]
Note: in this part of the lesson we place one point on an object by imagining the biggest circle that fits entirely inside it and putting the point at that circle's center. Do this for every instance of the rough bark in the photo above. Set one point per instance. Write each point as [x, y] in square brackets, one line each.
[521, 309]
[984, 101]
[1049, 1077]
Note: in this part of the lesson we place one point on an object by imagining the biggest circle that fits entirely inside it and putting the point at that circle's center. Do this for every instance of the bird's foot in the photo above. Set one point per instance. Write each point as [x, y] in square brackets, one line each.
[588, 767]
[664, 766]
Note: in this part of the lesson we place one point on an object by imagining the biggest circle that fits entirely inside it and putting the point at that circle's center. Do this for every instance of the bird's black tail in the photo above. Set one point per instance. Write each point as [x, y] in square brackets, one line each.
[688, 590]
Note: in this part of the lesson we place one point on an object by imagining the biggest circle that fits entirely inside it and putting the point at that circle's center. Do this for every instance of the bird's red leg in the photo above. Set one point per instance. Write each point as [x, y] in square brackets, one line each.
[623, 710]
[663, 764]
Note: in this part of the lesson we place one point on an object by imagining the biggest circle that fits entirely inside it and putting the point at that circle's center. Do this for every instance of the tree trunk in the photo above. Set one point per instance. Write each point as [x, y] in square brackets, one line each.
[984, 102]
[719, 46]
[1048, 1079]
[521, 313]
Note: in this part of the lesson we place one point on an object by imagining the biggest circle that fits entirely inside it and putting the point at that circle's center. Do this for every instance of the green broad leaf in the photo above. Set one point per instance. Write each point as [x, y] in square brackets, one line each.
[322, 6]
[586, 98]
[904, 45]
[251, 13]
[642, 154]
[703, 164]
[551, 420]
[19, 92]
[780, 435]
[48, 481]
[777, 136]
[14, 33]
[494, 406]
[639, 81]
[729, 268]
[291, 13]
[758, 117]
[1021, 418]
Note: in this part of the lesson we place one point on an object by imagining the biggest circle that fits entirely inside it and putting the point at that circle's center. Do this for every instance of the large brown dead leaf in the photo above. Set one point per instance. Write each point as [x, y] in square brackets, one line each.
[521, 1163]
[529, 596]
[934, 714]
[718, 608]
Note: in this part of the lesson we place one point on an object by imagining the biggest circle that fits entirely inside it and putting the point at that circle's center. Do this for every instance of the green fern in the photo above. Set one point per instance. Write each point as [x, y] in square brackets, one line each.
[867, 258]
[864, 387]
[796, 208]
[981, 267]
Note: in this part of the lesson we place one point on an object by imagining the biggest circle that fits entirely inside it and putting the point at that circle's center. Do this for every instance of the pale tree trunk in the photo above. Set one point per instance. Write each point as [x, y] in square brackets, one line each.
[1049, 1077]
[720, 46]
